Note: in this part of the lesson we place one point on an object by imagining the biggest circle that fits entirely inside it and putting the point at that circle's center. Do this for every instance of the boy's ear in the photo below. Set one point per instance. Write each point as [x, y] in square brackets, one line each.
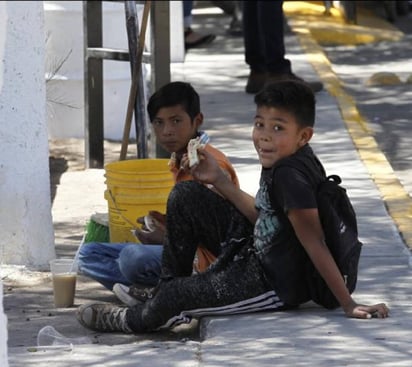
[198, 120]
[305, 135]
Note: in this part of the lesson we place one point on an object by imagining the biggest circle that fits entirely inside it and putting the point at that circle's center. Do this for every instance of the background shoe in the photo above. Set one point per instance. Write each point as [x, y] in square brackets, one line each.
[103, 317]
[194, 39]
[255, 81]
[132, 295]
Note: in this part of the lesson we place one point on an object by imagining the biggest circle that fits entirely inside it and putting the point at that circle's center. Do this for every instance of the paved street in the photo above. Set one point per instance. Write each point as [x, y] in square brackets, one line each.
[387, 108]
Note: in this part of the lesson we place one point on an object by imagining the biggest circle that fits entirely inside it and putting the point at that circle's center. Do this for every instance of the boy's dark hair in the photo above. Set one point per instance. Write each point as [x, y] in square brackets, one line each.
[172, 94]
[294, 96]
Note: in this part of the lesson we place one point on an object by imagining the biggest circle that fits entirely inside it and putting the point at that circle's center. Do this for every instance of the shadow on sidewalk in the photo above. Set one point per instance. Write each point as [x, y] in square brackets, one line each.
[57, 166]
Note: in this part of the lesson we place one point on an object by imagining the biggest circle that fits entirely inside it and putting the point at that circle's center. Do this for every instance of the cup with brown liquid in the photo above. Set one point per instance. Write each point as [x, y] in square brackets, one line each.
[64, 282]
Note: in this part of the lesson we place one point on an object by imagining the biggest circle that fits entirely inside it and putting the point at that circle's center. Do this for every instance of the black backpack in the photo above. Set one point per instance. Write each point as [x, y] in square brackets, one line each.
[339, 224]
[340, 228]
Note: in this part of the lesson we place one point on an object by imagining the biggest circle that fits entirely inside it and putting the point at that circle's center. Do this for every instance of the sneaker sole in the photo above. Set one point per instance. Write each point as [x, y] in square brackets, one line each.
[122, 295]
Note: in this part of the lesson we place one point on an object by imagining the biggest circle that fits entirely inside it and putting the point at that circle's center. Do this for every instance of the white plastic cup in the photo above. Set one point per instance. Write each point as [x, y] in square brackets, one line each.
[48, 336]
[64, 282]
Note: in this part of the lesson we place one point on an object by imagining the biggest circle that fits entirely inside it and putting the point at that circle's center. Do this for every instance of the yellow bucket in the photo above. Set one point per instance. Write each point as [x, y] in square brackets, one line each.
[134, 187]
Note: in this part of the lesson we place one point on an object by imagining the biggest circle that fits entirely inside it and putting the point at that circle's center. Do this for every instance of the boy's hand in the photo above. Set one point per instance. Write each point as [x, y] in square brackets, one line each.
[156, 233]
[155, 237]
[184, 163]
[159, 218]
[207, 170]
[358, 311]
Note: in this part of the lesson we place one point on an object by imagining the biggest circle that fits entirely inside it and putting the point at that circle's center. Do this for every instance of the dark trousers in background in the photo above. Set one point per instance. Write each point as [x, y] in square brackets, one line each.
[263, 32]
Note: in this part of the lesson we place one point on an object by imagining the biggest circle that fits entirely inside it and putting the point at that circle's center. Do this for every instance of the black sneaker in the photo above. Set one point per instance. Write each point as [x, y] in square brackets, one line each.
[255, 81]
[132, 295]
[103, 317]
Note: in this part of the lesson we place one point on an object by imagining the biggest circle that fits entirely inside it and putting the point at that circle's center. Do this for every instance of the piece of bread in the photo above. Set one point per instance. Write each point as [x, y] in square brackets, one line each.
[192, 151]
[192, 147]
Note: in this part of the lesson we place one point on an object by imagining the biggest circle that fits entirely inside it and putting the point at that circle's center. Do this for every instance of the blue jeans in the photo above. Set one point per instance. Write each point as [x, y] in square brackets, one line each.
[126, 263]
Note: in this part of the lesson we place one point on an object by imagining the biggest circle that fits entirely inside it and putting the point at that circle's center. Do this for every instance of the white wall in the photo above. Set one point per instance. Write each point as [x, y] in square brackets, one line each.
[27, 236]
[3, 329]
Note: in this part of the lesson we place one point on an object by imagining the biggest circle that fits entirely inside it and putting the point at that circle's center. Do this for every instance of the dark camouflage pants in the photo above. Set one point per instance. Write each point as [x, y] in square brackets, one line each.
[233, 284]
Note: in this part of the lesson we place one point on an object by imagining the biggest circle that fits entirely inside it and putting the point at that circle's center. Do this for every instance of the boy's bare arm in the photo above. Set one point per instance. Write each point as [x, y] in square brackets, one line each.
[244, 202]
[208, 171]
[309, 231]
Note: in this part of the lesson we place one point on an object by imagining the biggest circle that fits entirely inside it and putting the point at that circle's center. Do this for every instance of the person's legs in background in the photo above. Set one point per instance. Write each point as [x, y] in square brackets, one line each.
[254, 51]
[263, 32]
[271, 30]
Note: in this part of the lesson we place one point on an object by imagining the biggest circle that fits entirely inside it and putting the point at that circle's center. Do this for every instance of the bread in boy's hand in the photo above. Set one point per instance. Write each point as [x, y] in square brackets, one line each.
[192, 147]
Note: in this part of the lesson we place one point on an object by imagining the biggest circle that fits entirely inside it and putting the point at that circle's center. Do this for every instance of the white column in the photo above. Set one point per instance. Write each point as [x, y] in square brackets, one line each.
[3, 332]
[3, 318]
[26, 226]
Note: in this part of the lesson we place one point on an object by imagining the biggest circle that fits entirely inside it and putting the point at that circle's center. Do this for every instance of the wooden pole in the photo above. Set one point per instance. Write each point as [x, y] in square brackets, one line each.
[135, 81]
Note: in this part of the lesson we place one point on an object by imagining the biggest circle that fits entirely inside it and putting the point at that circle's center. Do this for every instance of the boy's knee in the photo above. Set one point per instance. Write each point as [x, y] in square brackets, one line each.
[127, 261]
[187, 192]
[131, 254]
[89, 248]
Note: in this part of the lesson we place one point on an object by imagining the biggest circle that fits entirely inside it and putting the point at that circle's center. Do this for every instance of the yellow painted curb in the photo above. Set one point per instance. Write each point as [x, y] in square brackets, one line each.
[332, 29]
[396, 199]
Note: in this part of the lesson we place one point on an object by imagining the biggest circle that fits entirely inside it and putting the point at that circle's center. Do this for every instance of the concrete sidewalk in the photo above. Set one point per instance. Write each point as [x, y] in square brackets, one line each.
[309, 336]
